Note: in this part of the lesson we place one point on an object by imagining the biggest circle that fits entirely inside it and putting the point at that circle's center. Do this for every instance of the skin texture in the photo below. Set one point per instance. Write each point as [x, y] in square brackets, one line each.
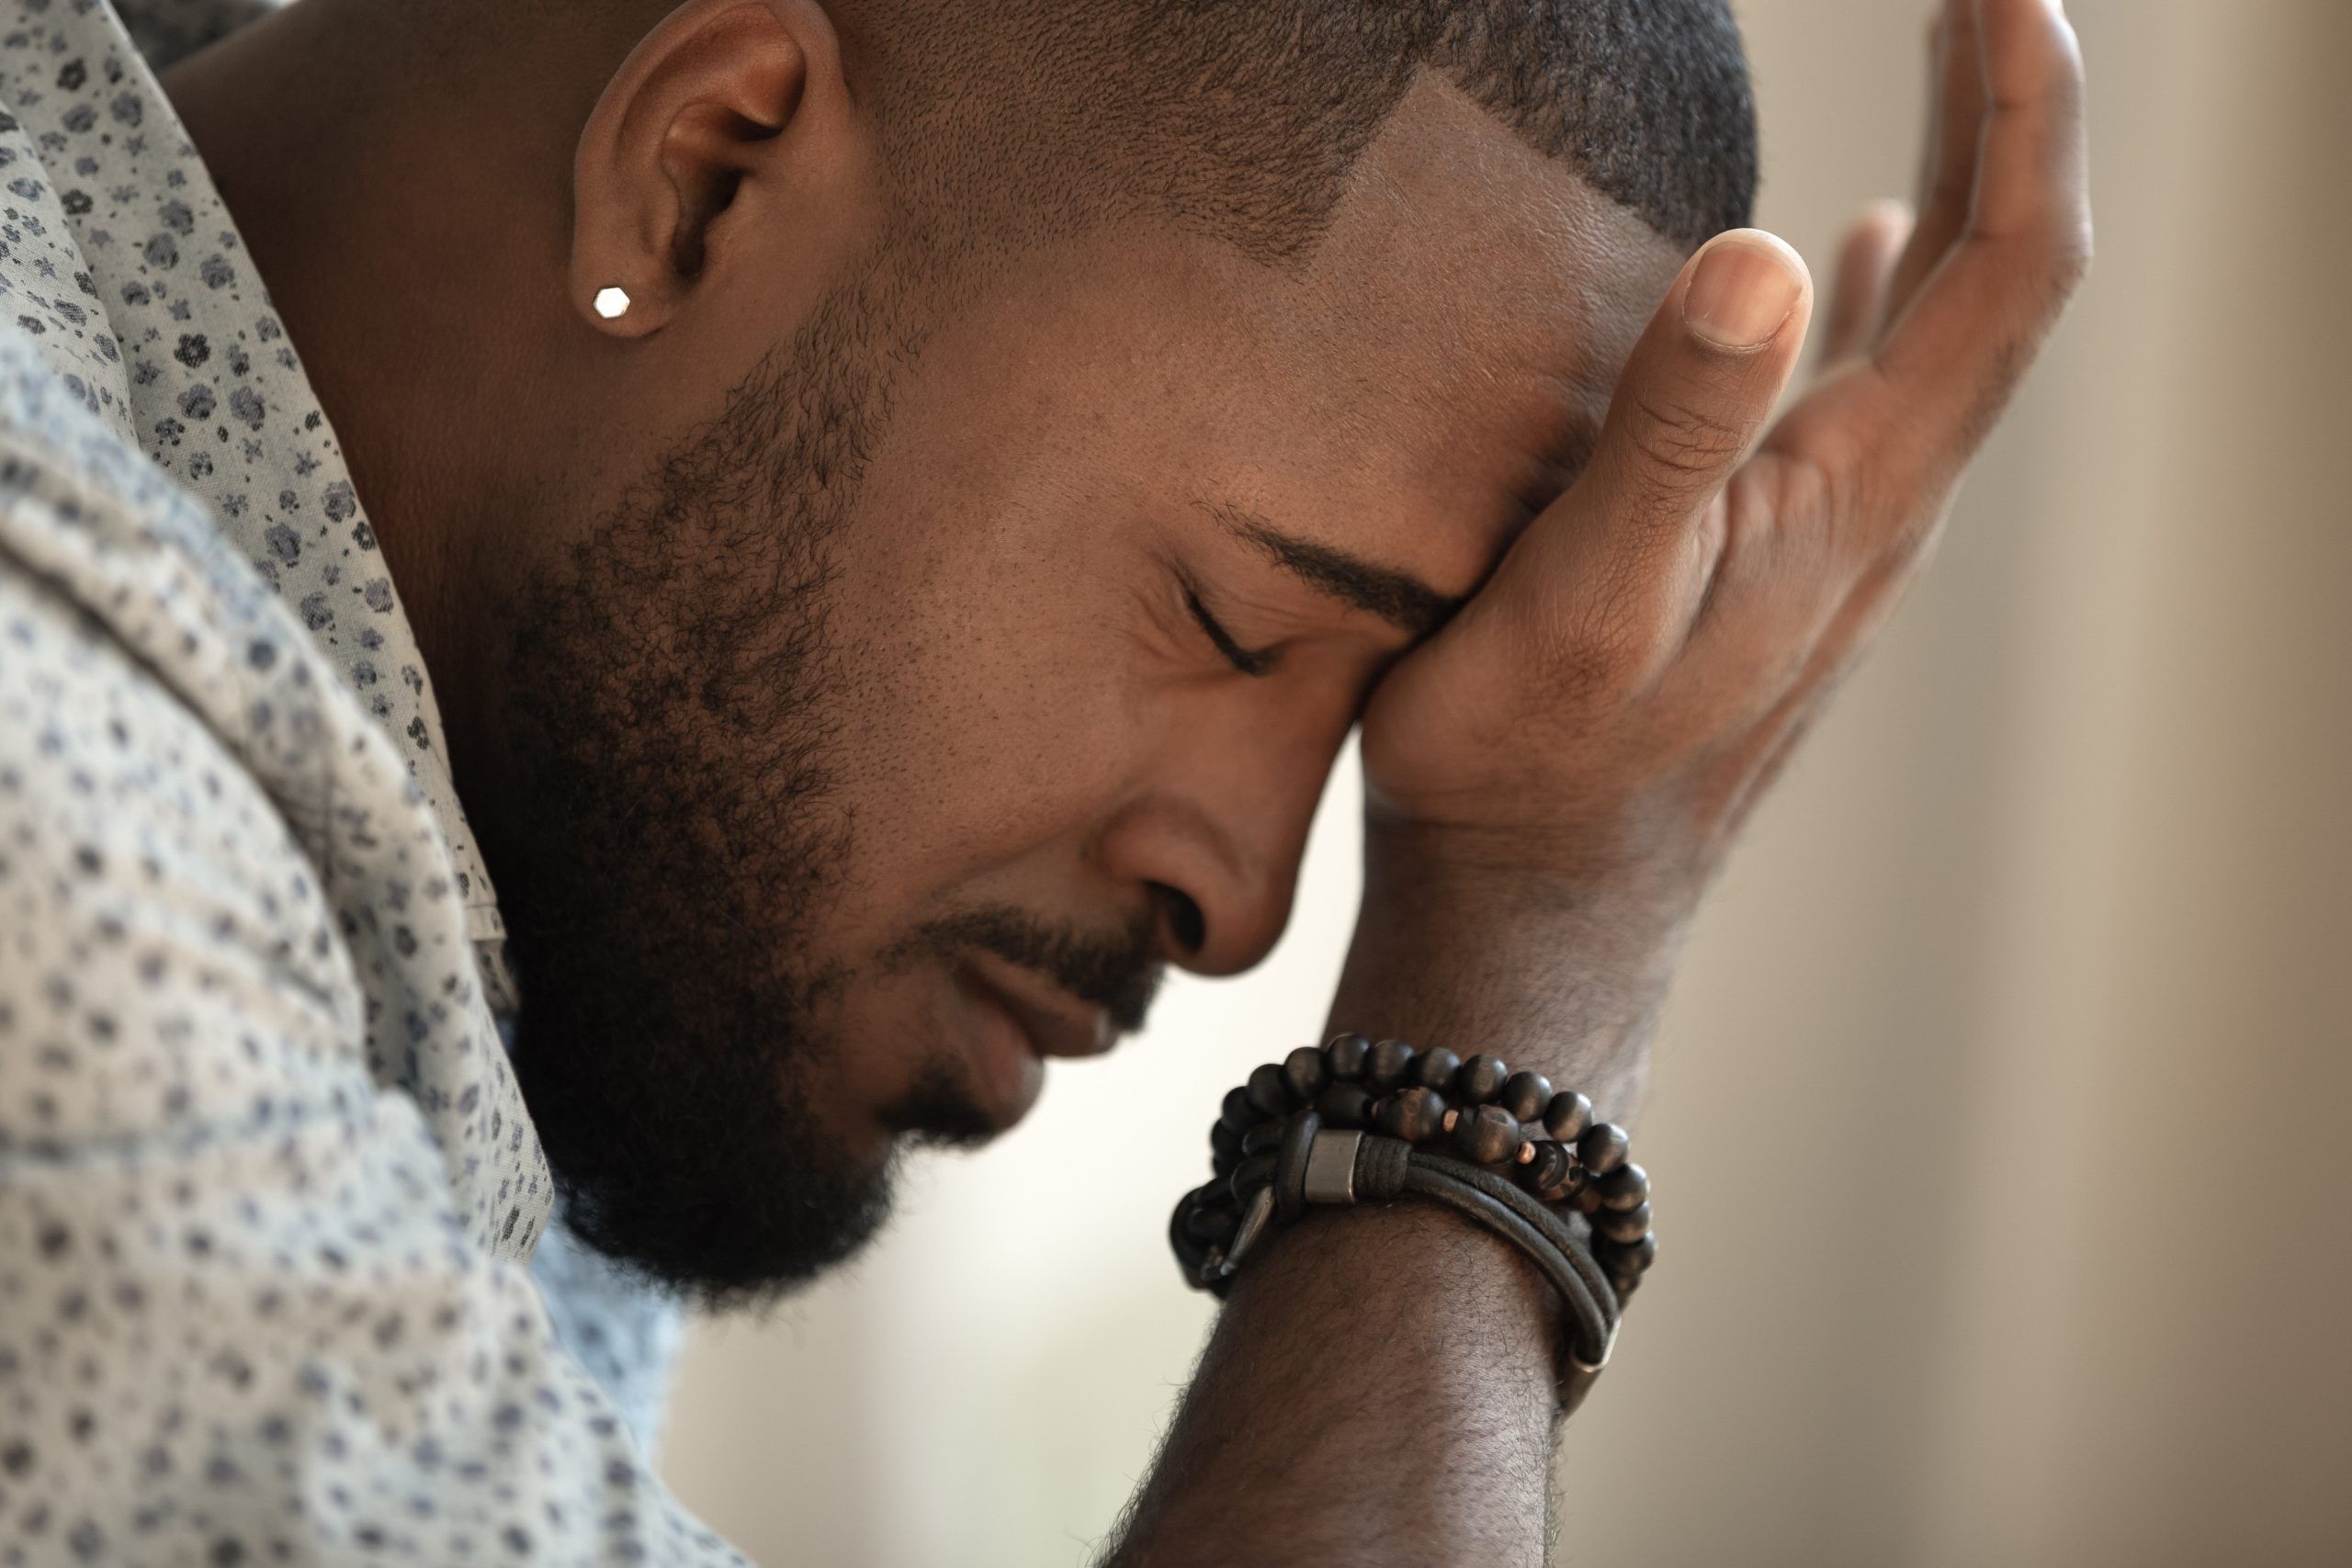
[818, 638]
[1041, 723]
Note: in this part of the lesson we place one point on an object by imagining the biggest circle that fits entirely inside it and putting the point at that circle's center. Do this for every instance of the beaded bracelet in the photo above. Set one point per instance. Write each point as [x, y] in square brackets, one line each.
[1355, 1122]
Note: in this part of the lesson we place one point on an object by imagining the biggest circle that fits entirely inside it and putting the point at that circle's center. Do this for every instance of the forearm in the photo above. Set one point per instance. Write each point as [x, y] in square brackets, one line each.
[1380, 1386]
[1378, 1390]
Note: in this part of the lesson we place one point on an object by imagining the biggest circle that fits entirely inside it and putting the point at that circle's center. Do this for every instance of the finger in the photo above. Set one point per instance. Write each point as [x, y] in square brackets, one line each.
[1865, 272]
[1948, 172]
[1948, 367]
[1698, 386]
[1688, 406]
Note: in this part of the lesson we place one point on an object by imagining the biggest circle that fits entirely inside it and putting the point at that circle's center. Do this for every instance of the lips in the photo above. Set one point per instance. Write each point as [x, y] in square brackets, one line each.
[1019, 1027]
[1056, 1025]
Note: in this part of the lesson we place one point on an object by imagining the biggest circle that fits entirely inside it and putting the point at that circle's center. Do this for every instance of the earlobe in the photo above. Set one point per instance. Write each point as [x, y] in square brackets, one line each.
[703, 103]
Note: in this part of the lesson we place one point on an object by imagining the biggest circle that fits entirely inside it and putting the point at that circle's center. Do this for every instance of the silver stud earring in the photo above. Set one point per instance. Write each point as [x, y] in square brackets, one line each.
[611, 302]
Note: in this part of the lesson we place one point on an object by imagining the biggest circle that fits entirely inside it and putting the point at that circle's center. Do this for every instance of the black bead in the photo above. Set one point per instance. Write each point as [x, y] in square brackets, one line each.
[1390, 1061]
[1306, 1074]
[1269, 1093]
[1215, 1226]
[1262, 1139]
[1526, 1096]
[1630, 1257]
[1415, 1114]
[1623, 1187]
[1256, 1171]
[1486, 1135]
[1346, 1057]
[1224, 1147]
[1481, 1078]
[1603, 1147]
[1344, 1105]
[1238, 1112]
[1549, 1168]
[1434, 1068]
[1624, 1225]
[1189, 1253]
[1569, 1116]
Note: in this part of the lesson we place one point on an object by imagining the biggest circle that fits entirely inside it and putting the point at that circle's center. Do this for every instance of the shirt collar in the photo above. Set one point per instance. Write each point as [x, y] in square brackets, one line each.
[286, 497]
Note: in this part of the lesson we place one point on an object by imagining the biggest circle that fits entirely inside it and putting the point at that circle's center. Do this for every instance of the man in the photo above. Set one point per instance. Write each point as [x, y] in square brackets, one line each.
[901, 504]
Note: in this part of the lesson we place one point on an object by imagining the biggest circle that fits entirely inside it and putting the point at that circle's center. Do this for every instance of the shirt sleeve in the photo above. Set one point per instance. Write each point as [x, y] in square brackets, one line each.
[242, 1320]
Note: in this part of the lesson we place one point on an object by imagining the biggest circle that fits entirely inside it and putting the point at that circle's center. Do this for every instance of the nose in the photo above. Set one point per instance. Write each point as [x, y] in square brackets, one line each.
[1216, 838]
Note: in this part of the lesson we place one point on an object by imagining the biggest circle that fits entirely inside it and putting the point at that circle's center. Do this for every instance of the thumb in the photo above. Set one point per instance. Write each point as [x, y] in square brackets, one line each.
[1694, 397]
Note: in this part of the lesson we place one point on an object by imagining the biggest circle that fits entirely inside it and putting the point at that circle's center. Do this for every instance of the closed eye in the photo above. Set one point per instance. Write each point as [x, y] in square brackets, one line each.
[1248, 661]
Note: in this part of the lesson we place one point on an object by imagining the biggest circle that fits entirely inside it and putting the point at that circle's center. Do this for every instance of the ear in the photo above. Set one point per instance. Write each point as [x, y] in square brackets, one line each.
[722, 103]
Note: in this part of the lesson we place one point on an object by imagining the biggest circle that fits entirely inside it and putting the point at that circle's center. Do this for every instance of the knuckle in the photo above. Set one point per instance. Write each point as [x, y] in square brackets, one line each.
[1686, 439]
[2070, 258]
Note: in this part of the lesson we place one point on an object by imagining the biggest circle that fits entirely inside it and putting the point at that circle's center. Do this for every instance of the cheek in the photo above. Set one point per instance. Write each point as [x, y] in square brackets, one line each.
[991, 712]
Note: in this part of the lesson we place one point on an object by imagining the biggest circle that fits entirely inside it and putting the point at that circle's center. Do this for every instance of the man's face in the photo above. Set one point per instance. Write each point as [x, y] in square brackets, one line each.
[886, 737]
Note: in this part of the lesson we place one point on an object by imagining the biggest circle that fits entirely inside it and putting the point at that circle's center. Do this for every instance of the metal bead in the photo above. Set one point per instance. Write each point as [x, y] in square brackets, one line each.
[1623, 1187]
[1415, 1114]
[1603, 1147]
[1262, 1139]
[1549, 1168]
[1290, 1162]
[1224, 1147]
[1567, 1117]
[1481, 1078]
[1238, 1112]
[1256, 1215]
[1256, 1171]
[1487, 1135]
[1346, 1057]
[1624, 1225]
[1268, 1092]
[1214, 1226]
[1435, 1067]
[1344, 1105]
[1390, 1061]
[1526, 1096]
[1306, 1074]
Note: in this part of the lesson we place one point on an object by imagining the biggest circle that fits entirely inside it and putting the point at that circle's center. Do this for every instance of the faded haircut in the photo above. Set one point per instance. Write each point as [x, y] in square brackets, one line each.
[1241, 119]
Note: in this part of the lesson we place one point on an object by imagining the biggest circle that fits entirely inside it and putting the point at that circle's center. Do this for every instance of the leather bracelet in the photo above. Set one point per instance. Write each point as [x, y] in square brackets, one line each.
[1354, 1121]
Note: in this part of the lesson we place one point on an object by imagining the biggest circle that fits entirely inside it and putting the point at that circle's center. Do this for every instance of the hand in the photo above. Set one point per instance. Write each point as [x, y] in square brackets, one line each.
[1564, 767]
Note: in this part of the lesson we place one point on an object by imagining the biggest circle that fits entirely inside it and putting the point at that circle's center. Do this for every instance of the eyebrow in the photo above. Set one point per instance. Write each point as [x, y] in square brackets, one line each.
[1397, 597]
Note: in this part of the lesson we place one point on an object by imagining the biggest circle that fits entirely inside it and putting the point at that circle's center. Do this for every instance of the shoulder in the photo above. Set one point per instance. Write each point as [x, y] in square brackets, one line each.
[169, 956]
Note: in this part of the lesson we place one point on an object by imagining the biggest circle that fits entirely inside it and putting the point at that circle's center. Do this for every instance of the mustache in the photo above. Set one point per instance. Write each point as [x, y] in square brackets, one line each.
[1118, 971]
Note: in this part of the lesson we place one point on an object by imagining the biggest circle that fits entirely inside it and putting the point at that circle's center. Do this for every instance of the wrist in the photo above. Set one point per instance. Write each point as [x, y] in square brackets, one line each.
[1459, 946]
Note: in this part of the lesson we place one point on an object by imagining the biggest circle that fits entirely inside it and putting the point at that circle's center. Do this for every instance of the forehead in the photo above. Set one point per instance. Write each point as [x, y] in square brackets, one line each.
[1462, 326]
[1430, 376]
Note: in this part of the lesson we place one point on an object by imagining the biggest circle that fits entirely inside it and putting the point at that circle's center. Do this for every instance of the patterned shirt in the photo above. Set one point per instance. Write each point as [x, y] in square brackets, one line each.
[269, 1192]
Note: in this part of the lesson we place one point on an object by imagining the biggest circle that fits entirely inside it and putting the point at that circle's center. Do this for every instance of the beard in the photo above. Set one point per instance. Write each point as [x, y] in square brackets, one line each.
[673, 695]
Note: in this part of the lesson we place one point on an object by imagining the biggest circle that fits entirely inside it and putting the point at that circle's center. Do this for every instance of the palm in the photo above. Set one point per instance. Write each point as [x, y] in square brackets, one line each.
[1654, 642]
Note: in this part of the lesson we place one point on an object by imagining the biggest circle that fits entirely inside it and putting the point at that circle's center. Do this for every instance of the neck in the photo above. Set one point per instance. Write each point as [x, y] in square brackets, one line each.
[405, 198]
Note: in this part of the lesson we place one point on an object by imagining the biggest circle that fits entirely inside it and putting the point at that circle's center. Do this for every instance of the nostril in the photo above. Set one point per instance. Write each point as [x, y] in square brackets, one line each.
[1181, 916]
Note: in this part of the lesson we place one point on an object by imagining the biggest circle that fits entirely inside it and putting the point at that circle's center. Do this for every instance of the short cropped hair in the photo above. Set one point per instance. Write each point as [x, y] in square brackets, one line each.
[1241, 119]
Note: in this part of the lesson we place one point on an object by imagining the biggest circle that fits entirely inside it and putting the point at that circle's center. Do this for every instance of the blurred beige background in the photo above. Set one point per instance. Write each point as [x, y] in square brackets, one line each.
[2003, 1119]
